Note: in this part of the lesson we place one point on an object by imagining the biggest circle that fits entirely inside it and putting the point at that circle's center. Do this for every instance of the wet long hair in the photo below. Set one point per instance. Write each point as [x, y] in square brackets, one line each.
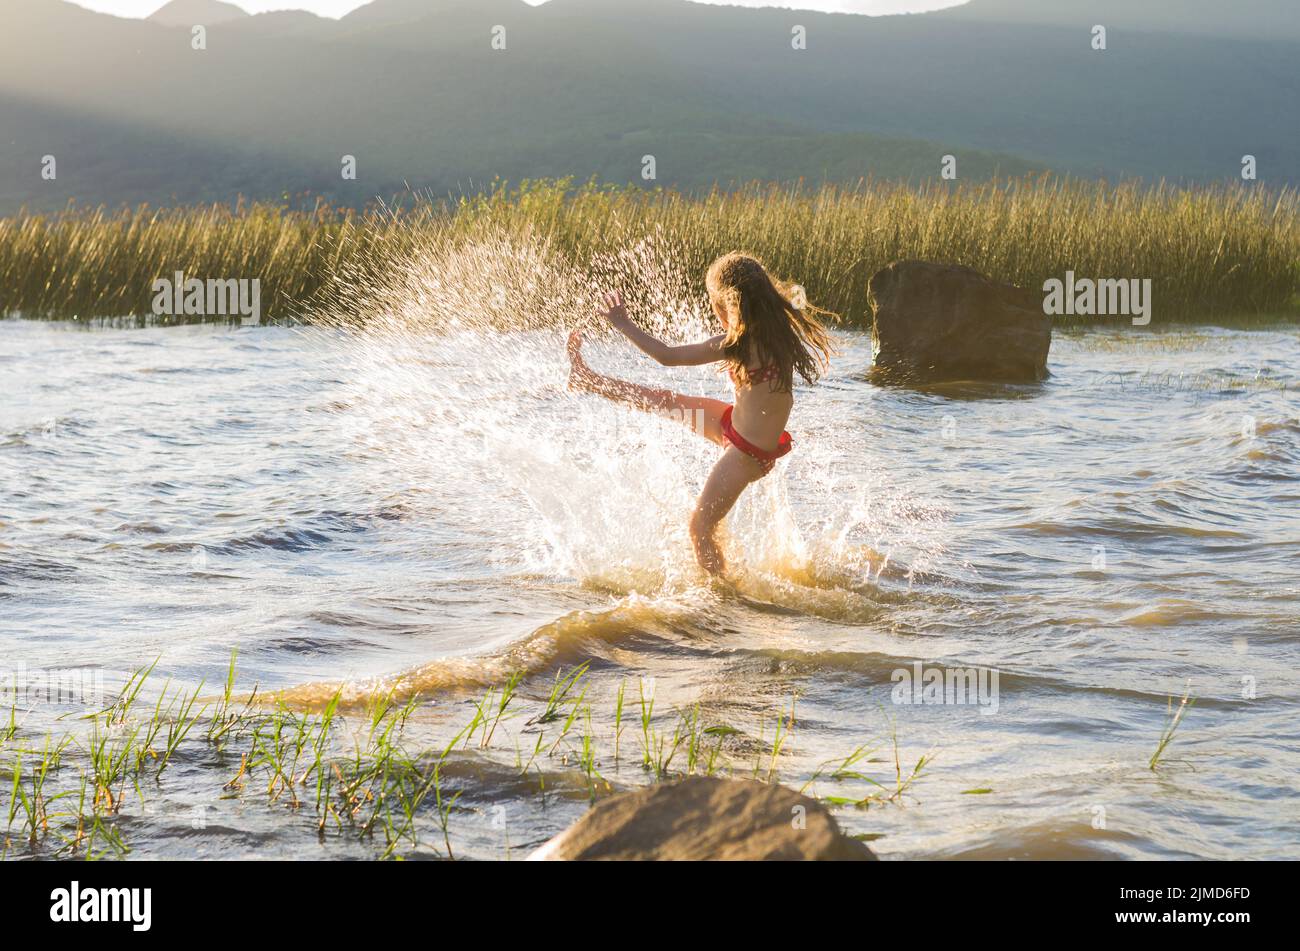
[769, 321]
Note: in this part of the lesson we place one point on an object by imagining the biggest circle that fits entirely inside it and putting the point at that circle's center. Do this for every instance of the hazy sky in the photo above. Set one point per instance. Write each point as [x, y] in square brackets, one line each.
[336, 8]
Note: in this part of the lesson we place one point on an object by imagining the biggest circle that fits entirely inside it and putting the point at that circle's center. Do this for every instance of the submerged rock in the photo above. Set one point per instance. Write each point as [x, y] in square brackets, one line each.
[706, 818]
[944, 322]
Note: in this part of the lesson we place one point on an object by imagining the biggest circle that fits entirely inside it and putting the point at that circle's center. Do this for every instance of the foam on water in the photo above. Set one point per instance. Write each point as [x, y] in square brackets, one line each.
[455, 378]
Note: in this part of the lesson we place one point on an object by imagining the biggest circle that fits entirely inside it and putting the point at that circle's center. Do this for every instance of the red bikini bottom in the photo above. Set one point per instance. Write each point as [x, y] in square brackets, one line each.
[765, 457]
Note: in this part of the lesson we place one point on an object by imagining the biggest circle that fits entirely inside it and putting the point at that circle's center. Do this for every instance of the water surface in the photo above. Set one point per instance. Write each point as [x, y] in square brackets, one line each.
[428, 513]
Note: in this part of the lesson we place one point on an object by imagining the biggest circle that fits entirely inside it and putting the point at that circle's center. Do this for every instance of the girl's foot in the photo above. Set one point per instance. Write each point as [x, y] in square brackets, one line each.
[723, 586]
[579, 373]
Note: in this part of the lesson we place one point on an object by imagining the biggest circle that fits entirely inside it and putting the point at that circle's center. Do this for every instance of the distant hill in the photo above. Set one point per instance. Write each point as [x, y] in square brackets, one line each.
[188, 13]
[414, 90]
[283, 23]
[191, 13]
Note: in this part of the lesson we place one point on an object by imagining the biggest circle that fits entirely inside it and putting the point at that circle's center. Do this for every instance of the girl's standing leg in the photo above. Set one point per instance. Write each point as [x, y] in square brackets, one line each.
[730, 477]
[731, 474]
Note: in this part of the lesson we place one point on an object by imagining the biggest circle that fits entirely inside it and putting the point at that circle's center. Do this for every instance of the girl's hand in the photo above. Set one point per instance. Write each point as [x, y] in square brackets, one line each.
[614, 310]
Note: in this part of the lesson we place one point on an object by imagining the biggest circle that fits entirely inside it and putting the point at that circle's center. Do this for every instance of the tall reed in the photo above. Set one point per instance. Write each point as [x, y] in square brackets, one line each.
[1209, 251]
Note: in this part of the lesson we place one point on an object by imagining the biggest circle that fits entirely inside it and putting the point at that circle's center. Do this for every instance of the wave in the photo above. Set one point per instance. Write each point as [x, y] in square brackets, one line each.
[694, 620]
[568, 641]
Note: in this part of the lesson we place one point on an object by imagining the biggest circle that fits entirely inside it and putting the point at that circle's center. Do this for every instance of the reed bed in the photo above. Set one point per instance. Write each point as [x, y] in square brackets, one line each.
[1226, 250]
[353, 773]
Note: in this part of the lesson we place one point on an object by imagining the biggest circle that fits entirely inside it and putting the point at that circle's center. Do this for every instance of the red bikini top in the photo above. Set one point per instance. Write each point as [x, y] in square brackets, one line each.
[762, 375]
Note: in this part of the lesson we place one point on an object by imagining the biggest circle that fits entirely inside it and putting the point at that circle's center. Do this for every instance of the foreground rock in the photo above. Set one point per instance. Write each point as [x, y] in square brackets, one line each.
[943, 322]
[705, 818]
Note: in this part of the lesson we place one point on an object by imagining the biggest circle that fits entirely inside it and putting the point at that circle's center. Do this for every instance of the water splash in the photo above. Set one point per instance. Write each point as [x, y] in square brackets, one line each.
[453, 372]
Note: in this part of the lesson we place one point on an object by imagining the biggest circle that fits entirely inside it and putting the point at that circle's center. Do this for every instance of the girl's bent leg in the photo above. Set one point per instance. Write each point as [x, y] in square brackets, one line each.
[730, 476]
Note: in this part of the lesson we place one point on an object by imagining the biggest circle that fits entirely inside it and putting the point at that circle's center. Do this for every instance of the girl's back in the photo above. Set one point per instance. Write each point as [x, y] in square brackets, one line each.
[762, 408]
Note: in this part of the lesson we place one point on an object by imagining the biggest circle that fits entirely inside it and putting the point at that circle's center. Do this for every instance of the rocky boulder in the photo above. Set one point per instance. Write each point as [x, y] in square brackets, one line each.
[706, 818]
[943, 322]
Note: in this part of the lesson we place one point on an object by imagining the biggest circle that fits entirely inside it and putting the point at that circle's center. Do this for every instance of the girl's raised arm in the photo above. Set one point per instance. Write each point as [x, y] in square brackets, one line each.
[687, 355]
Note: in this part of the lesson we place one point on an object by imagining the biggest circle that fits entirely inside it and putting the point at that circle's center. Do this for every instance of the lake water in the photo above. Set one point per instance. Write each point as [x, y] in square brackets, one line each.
[428, 513]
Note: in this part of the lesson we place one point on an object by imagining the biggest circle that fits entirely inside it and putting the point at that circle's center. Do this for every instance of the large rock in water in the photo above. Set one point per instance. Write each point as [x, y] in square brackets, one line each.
[942, 322]
[706, 818]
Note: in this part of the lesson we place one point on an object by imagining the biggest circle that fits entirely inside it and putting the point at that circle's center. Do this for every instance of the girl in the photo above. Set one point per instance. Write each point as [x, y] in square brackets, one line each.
[767, 339]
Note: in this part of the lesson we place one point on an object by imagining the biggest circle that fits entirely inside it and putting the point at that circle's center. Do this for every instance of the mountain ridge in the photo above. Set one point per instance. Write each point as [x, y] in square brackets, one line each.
[1260, 20]
[194, 12]
[715, 94]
